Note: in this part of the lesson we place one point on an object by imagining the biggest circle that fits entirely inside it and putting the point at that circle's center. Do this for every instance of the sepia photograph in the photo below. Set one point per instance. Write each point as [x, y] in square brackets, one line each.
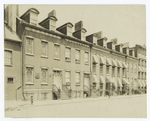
[75, 61]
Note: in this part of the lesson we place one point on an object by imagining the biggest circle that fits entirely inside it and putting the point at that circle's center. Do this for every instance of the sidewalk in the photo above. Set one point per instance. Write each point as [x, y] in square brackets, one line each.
[18, 105]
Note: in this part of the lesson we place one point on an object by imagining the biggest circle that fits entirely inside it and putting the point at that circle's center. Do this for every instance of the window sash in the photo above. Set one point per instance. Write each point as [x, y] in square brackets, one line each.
[113, 71]
[67, 53]
[8, 57]
[57, 51]
[77, 77]
[78, 55]
[67, 76]
[86, 57]
[29, 44]
[107, 70]
[44, 48]
[44, 75]
[101, 69]
[29, 74]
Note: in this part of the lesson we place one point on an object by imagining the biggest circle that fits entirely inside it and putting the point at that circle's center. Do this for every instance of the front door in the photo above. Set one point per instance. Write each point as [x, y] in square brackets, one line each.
[57, 80]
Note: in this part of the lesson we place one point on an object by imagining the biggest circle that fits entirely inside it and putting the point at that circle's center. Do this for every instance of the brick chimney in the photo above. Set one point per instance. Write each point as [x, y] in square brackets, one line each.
[31, 16]
[50, 22]
[119, 47]
[80, 32]
[102, 42]
[10, 14]
[66, 29]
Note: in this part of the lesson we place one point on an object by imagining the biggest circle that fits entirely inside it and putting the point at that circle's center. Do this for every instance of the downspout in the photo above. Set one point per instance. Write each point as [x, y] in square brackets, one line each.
[90, 71]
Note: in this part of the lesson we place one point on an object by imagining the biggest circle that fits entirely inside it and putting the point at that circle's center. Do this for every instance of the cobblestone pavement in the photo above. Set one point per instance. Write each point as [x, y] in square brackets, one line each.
[114, 107]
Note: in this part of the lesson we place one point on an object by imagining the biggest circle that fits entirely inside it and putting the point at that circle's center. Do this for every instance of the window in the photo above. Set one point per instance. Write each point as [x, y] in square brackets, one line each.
[44, 75]
[77, 58]
[10, 80]
[77, 77]
[56, 51]
[69, 31]
[101, 68]
[86, 57]
[113, 71]
[118, 72]
[128, 66]
[67, 54]
[139, 75]
[8, 57]
[33, 19]
[135, 68]
[29, 74]
[123, 72]
[107, 69]
[139, 61]
[67, 77]
[44, 48]
[142, 75]
[29, 45]
[94, 68]
[101, 85]
[52, 25]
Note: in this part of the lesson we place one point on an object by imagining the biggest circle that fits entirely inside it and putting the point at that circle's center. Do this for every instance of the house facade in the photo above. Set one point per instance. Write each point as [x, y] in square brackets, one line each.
[59, 63]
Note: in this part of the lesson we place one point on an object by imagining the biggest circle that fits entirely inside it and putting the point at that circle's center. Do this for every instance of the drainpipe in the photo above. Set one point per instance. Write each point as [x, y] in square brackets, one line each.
[90, 71]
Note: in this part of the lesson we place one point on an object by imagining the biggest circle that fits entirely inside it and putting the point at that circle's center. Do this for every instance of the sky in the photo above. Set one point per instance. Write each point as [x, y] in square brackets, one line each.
[127, 23]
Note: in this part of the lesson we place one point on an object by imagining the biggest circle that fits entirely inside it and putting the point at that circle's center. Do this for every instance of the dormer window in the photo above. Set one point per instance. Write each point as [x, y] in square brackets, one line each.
[94, 40]
[69, 30]
[33, 19]
[83, 35]
[52, 25]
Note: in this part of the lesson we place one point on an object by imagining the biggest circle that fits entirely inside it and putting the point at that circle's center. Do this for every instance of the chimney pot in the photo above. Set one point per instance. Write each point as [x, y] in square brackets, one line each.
[52, 13]
[78, 25]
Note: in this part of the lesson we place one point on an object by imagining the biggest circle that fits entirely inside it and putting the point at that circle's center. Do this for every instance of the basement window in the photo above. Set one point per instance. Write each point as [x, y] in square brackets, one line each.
[10, 80]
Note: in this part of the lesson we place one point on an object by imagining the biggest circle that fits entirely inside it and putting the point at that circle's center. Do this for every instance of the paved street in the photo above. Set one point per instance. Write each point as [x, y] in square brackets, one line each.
[115, 107]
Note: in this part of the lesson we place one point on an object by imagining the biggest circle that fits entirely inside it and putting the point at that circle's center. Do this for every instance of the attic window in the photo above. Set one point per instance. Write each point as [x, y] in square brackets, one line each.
[83, 36]
[52, 25]
[69, 30]
[33, 18]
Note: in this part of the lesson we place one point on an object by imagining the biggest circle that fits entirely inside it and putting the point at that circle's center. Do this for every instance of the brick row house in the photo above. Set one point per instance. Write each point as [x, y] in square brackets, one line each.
[57, 63]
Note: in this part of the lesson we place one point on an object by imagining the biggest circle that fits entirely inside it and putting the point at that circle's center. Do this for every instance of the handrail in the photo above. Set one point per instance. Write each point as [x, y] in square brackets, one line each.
[55, 88]
[66, 90]
[86, 88]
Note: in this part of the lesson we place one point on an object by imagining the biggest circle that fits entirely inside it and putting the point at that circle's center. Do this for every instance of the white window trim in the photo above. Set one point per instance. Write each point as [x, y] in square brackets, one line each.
[45, 83]
[5, 49]
[29, 83]
[30, 37]
[43, 56]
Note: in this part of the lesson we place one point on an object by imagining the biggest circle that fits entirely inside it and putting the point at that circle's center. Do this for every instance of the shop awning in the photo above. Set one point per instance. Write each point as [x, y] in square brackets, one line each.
[119, 82]
[102, 61]
[108, 62]
[143, 82]
[119, 64]
[102, 80]
[140, 69]
[114, 81]
[124, 65]
[95, 80]
[95, 60]
[139, 83]
[125, 81]
[114, 63]
[108, 79]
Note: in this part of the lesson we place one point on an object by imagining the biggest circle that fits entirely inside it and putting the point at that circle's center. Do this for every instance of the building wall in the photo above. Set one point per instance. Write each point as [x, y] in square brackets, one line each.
[37, 61]
[13, 71]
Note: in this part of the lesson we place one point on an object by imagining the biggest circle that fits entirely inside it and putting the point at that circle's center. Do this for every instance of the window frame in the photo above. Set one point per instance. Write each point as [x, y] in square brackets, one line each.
[78, 83]
[10, 77]
[70, 54]
[55, 58]
[46, 68]
[78, 61]
[29, 83]
[86, 63]
[70, 76]
[11, 57]
[43, 56]
[30, 54]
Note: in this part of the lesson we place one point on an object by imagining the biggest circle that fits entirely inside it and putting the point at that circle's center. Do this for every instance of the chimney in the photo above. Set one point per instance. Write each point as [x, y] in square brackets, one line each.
[50, 22]
[119, 47]
[31, 16]
[92, 38]
[66, 29]
[10, 14]
[80, 32]
[111, 45]
[102, 42]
